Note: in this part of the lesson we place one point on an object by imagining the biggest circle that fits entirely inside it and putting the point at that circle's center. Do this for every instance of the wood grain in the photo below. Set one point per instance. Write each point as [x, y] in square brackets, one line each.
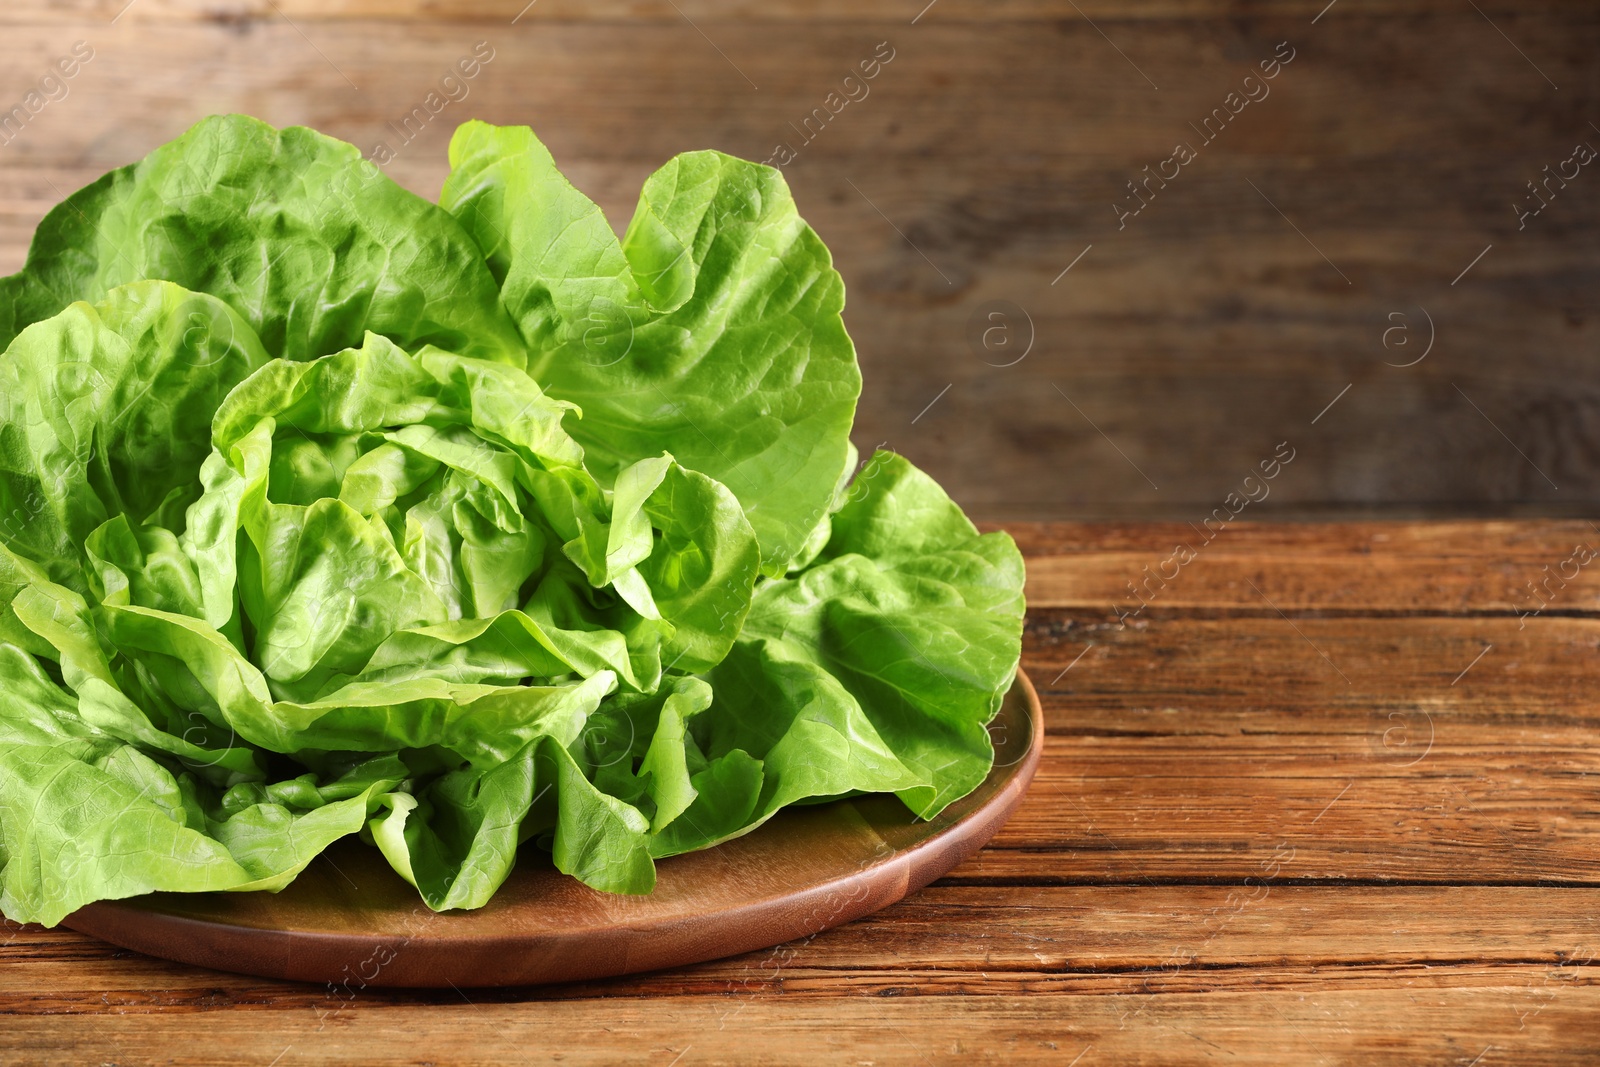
[1436, 1025]
[504, 11]
[1311, 682]
[1440, 568]
[1069, 939]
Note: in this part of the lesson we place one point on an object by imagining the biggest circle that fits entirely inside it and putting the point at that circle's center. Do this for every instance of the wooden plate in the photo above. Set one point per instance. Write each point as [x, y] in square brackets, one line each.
[350, 921]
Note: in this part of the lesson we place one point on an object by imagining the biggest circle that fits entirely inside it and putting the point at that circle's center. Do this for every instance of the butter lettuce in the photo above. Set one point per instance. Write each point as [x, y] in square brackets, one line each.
[469, 530]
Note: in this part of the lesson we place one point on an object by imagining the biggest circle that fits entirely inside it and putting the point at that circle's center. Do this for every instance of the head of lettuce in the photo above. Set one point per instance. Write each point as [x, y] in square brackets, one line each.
[326, 510]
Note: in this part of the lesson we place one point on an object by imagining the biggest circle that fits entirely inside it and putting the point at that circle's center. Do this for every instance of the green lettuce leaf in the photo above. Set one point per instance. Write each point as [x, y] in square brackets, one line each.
[712, 330]
[105, 410]
[875, 669]
[387, 499]
[915, 614]
[85, 816]
[312, 245]
[457, 841]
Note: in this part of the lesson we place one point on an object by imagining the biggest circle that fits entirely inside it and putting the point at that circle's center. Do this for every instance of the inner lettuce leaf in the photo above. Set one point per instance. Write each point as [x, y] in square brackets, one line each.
[366, 541]
[712, 330]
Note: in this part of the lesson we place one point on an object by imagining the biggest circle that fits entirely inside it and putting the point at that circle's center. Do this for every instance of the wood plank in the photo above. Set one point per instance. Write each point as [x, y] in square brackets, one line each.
[966, 939]
[1538, 673]
[1141, 975]
[1511, 827]
[897, 11]
[1482, 541]
[1433, 830]
[1437, 1025]
[1226, 563]
[1067, 100]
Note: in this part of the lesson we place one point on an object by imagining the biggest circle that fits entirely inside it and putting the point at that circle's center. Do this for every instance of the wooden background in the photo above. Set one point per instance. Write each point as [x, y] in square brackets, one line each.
[1175, 354]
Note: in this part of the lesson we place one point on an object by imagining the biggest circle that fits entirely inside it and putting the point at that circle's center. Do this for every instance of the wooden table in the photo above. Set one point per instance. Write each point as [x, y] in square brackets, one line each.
[1327, 798]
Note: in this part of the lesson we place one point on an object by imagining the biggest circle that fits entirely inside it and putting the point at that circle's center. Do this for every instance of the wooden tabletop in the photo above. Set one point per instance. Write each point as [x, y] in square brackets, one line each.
[1328, 797]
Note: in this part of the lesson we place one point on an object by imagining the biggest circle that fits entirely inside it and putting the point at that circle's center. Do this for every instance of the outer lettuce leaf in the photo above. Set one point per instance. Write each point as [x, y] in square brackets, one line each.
[875, 669]
[292, 229]
[711, 331]
[85, 817]
[81, 824]
[105, 410]
[457, 842]
[918, 617]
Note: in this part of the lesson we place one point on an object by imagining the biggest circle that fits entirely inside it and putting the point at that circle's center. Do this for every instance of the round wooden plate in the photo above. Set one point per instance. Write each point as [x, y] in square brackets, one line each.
[350, 921]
